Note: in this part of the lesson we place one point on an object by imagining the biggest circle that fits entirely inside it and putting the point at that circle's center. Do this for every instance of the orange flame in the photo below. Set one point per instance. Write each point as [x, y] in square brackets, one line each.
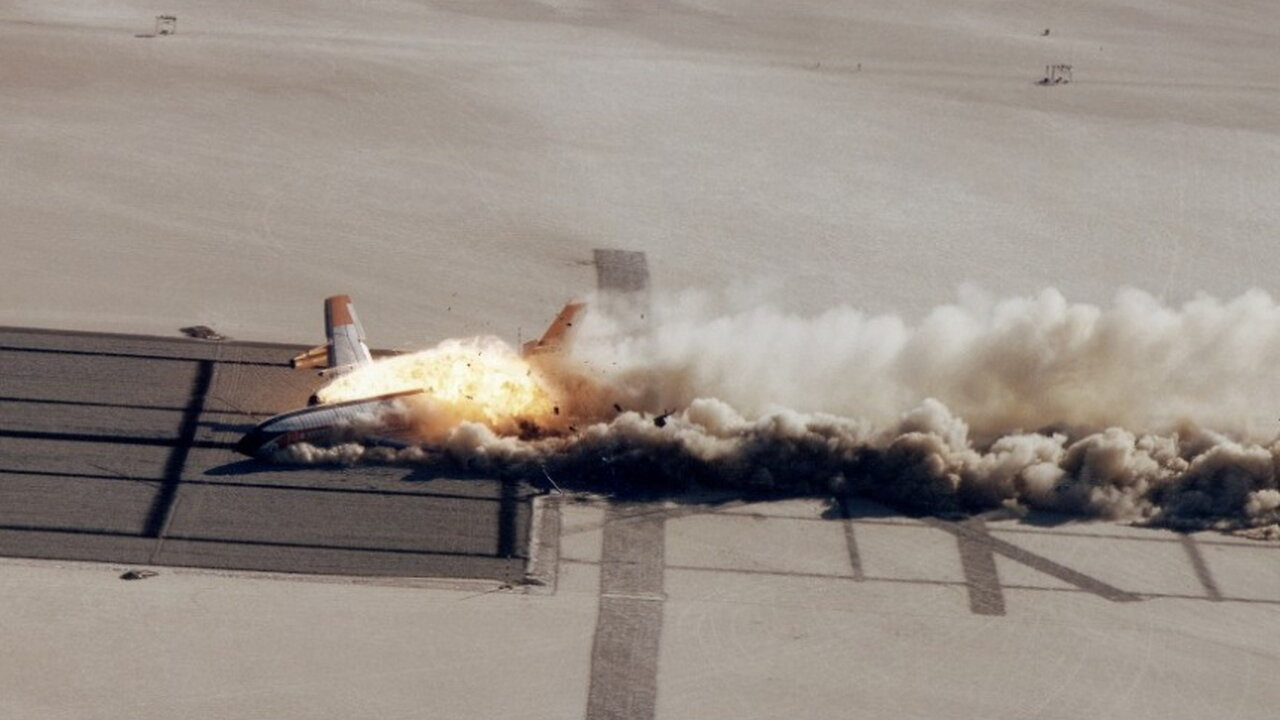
[481, 380]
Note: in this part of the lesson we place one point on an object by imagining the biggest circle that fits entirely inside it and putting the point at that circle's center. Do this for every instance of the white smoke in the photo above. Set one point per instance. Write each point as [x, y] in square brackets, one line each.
[1023, 363]
[1026, 402]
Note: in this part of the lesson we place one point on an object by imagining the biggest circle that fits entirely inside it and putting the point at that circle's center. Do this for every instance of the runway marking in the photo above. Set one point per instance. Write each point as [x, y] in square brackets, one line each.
[507, 515]
[112, 439]
[88, 403]
[262, 485]
[253, 543]
[975, 533]
[624, 654]
[1201, 568]
[850, 540]
[978, 563]
[162, 507]
[918, 581]
[543, 567]
[137, 356]
[908, 521]
[127, 406]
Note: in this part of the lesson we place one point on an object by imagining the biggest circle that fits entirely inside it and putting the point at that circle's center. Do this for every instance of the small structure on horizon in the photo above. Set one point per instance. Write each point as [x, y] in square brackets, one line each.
[166, 25]
[1056, 75]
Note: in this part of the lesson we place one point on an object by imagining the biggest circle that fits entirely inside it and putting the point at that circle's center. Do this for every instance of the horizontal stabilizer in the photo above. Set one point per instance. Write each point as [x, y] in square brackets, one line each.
[315, 357]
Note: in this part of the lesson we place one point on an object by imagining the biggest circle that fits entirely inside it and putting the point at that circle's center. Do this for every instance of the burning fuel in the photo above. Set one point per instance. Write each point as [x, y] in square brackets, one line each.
[480, 380]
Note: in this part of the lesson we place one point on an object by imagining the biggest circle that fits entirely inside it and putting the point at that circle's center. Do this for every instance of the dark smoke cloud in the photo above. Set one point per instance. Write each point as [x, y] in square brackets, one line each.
[923, 464]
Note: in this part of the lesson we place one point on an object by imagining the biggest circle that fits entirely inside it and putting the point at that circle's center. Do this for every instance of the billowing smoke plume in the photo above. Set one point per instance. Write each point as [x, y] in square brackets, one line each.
[1003, 365]
[1137, 411]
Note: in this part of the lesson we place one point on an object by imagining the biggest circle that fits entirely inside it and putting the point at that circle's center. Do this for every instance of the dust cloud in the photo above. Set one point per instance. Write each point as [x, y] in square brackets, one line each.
[1138, 411]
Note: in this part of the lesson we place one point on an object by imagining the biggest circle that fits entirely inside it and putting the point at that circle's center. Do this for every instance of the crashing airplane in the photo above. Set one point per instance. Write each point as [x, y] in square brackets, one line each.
[345, 351]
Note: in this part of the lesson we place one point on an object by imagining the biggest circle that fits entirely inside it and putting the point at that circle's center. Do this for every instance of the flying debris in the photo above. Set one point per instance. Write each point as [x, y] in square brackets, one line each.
[394, 402]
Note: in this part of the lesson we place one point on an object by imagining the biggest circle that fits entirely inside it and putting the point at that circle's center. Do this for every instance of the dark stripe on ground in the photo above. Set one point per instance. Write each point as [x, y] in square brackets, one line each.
[127, 406]
[850, 540]
[112, 439]
[978, 563]
[183, 340]
[162, 506]
[624, 654]
[507, 513]
[135, 356]
[1201, 567]
[87, 403]
[266, 486]
[1034, 561]
[252, 543]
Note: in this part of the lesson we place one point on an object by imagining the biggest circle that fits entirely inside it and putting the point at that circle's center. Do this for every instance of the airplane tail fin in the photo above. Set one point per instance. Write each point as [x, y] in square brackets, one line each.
[553, 339]
[345, 348]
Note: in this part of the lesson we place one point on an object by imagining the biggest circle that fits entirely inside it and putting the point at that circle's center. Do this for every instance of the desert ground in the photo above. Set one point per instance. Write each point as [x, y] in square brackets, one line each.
[452, 164]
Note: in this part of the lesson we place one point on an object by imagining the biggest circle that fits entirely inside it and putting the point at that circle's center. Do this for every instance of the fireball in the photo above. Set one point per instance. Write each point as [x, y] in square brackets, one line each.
[481, 380]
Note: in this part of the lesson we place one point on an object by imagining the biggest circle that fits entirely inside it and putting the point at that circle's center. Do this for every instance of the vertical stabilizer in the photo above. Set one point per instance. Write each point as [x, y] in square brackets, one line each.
[557, 332]
[346, 337]
[345, 347]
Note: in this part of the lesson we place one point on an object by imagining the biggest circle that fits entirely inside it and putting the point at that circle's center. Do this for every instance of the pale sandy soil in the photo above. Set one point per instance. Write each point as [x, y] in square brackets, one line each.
[740, 636]
[451, 164]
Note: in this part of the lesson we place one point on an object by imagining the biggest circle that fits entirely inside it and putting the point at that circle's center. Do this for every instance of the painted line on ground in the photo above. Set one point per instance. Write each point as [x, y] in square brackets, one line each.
[1202, 569]
[850, 540]
[978, 563]
[624, 653]
[980, 536]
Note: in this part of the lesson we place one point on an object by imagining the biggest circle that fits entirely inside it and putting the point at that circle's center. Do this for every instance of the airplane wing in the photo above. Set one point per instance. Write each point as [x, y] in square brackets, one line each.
[345, 348]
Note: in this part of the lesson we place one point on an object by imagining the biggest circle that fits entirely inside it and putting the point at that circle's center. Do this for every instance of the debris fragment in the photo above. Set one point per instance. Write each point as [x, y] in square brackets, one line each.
[202, 332]
[138, 574]
[1265, 533]
[555, 489]
[1055, 75]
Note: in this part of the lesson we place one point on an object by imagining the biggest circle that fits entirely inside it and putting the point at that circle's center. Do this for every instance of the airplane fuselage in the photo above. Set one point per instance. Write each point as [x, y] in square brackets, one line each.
[324, 425]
